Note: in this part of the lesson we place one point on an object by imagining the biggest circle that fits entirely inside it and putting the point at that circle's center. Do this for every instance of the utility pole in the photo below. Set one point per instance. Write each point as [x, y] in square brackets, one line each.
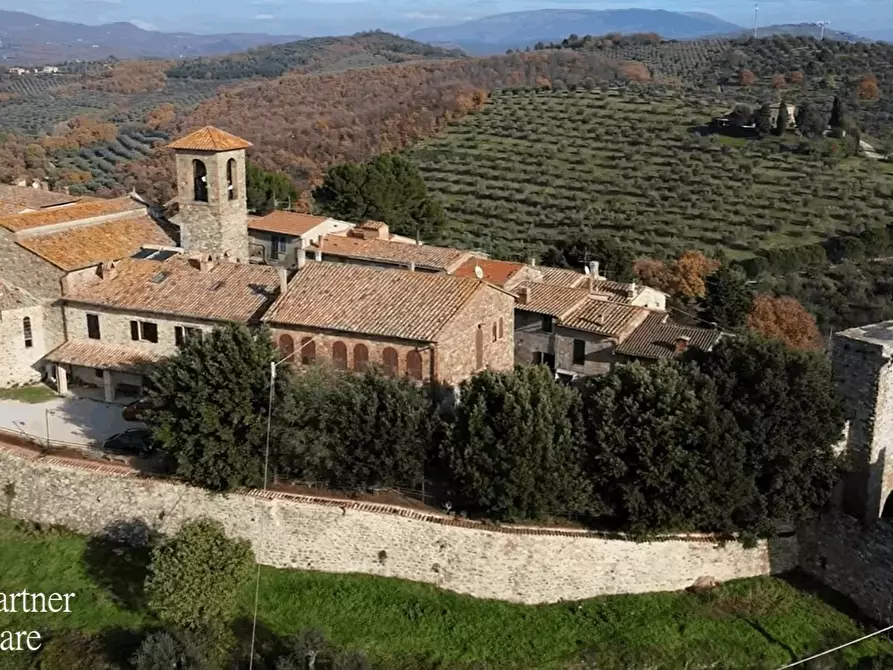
[756, 11]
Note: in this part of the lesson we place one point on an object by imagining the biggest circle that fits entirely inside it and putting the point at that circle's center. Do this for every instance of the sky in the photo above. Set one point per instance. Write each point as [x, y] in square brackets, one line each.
[332, 17]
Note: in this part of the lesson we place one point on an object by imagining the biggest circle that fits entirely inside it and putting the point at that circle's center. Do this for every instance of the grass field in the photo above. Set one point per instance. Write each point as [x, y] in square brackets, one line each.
[755, 623]
[533, 166]
[31, 394]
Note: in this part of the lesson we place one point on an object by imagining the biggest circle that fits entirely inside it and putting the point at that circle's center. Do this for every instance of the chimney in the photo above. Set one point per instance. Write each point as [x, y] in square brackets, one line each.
[202, 262]
[317, 255]
[412, 267]
[301, 258]
[682, 343]
[532, 262]
[384, 232]
[283, 281]
[633, 289]
[108, 270]
[593, 270]
[524, 295]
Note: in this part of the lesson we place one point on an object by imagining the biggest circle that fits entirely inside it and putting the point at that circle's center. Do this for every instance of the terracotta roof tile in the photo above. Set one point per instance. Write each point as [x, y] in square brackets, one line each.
[286, 223]
[656, 338]
[209, 138]
[77, 212]
[441, 259]
[13, 297]
[495, 272]
[562, 277]
[224, 292]
[548, 299]
[372, 301]
[616, 291]
[33, 198]
[103, 356]
[90, 244]
[606, 318]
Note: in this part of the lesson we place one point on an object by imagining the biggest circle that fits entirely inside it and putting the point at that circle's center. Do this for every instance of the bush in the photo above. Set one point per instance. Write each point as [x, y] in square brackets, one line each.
[74, 651]
[311, 649]
[195, 576]
[178, 650]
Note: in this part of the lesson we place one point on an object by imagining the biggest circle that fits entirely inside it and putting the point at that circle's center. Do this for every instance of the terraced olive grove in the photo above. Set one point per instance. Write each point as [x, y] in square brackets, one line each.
[533, 166]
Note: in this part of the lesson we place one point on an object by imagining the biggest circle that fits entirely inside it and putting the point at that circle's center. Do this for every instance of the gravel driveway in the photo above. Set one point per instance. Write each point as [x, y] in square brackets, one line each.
[71, 419]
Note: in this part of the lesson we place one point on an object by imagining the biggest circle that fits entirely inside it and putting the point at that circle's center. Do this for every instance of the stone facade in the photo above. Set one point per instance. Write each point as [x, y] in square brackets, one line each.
[26, 270]
[533, 344]
[262, 242]
[220, 225]
[18, 362]
[520, 565]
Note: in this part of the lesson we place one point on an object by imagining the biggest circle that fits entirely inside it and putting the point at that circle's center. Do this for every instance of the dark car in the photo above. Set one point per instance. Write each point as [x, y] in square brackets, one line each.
[136, 411]
[133, 442]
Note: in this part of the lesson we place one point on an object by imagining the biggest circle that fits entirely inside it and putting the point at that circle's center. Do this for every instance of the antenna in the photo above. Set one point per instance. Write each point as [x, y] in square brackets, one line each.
[822, 24]
[478, 272]
[756, 11]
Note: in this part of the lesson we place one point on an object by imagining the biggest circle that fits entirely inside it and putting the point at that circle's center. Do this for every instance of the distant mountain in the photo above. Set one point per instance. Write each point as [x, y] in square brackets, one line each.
[30, 40]
[517, 30]
[798, 29]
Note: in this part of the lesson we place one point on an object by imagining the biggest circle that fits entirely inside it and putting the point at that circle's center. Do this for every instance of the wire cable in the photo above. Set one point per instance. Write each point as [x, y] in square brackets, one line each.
[847, 644]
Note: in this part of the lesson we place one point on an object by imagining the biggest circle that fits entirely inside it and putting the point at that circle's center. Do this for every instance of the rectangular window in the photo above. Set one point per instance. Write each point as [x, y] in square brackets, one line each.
[178, 335]
[93, 327]
[99, 374]
[579, 352]
[278, 246]
[149, 331]
[548, 324]
[134, 330]
[182, 334]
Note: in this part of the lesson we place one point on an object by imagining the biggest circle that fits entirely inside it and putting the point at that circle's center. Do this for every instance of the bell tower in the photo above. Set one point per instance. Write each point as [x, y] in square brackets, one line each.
[211, 188]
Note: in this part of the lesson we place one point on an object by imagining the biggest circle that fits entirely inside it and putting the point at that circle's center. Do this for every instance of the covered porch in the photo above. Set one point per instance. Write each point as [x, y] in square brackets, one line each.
[102, 371]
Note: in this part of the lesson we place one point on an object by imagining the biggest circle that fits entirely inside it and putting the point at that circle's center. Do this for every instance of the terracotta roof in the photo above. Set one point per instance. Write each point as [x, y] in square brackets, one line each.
[443, 259]
[69, 214]
[616, 291]
[606, 318]
[547, 299]
[103, 356]
[87, 245]
[224, 292]
[286, 223]
[373, 225]
[209, 138]
[7, 209]
[372, 301]
[13, 297]
[656, 338]
[495, 272]
[33, 198]
[562, 277]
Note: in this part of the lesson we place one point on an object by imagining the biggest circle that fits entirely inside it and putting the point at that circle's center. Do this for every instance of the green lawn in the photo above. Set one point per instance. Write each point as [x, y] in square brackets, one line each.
[755, 623]
[31, 394]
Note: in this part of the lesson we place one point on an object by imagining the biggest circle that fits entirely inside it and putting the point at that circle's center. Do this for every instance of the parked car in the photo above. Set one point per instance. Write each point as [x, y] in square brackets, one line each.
[133, 442]
[136, 411]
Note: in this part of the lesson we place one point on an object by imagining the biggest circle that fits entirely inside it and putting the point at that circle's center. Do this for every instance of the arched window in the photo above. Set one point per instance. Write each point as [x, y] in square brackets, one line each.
[390, 360]
[494, 332]
[479, 348]
[286, 346]
[360, 358]
[26, 331]
[501, 328]
[200, 181]
[339, 355]
[308, 350]
[231, 178]
[414, 365]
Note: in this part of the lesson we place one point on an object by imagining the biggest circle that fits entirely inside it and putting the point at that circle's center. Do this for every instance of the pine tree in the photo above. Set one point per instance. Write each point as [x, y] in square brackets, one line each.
[727, 300]
[838, 114]
[783, 119]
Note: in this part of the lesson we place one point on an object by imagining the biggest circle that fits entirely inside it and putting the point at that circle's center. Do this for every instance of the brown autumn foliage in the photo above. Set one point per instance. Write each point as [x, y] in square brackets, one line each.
[635, 71]
[778, 81]
[12, 158]
[302, 124]
[81, 131]
[683, 278]
[868, 88]
[162, 116]
[134, 76]
[747, 78]
[796, 78]
[784, 319]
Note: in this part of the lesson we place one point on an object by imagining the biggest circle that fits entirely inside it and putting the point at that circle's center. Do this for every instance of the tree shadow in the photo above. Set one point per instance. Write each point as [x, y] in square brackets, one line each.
[120, 644]
[118, 562]
[268, 645]
[803, 582]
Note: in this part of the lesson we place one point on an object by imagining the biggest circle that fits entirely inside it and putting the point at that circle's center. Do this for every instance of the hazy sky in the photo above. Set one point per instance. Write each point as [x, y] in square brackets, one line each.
[327, 17]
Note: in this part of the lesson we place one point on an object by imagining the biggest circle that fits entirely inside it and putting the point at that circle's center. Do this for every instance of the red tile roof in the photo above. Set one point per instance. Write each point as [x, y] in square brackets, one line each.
[547, 299]
[286, 223]
[606, 318]
[209, 138]
[656, 338]
[33, 198]
[373, 301]
[223, 292]
[88, 209]
[495, 272]
[103, 356]
[90, 244]
[562, 277]
[440, 259]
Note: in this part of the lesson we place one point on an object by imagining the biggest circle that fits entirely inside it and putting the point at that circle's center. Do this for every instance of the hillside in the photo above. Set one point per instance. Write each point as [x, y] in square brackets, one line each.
[798, 30]
[517, 30]
[31, 40]
[533, 167]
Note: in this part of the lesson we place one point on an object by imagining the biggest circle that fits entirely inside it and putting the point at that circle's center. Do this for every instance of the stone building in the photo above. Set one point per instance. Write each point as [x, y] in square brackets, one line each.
[22, 335]
[422, 325]
[212, 194]
[124, 316]
[276, 237]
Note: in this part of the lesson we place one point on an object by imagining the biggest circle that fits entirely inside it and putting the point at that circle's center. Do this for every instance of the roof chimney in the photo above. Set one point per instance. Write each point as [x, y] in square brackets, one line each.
[283, 281]
[532, 262]
[317, 255]
[412, 267]
[633, 289]
[202, 262]
[682, 343]
[593, 270]
[524, 295]
[301, 258]
[108, 270]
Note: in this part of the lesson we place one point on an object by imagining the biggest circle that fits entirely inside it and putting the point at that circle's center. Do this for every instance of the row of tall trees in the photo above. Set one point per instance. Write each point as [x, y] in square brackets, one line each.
[737, 439]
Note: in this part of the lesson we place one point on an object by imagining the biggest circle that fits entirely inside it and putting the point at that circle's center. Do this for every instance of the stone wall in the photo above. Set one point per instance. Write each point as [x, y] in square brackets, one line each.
[513, 564]
[29, 271]
[18, 363]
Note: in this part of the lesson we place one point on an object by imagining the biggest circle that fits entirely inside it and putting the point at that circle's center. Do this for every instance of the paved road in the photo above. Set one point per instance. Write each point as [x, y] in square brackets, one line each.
[71, 419]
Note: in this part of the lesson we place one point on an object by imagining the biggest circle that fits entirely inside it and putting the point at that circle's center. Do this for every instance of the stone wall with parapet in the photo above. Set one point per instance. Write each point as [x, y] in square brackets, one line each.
[518, 564]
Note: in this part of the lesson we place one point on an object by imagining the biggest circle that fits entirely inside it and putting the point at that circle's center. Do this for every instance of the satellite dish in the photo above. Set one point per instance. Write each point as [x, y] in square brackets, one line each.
[478, 272]
[586, 269]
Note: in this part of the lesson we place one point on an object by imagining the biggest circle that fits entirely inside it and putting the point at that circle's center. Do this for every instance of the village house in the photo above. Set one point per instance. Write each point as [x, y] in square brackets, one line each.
[276, 237]
[426, 326]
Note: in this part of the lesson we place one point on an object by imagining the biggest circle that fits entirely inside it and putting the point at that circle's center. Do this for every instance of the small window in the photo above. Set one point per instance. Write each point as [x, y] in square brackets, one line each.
[286, 346]
[390, 360]
[149, 331]
[579, 352]
[414, 365]
[495, 333]
[135, 330]
[339, 355]
[26, 331]
[99, 373]
[178, 335]
[360, 358]
[183, 334]
[231, 178]
[200, 181]
[308, 350]
[93, 326]
[501, 328]
[548, 324]
[479, 348]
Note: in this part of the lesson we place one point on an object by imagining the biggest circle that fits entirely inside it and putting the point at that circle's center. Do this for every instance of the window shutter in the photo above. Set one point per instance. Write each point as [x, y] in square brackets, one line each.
[178, 335]
[134, 330]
